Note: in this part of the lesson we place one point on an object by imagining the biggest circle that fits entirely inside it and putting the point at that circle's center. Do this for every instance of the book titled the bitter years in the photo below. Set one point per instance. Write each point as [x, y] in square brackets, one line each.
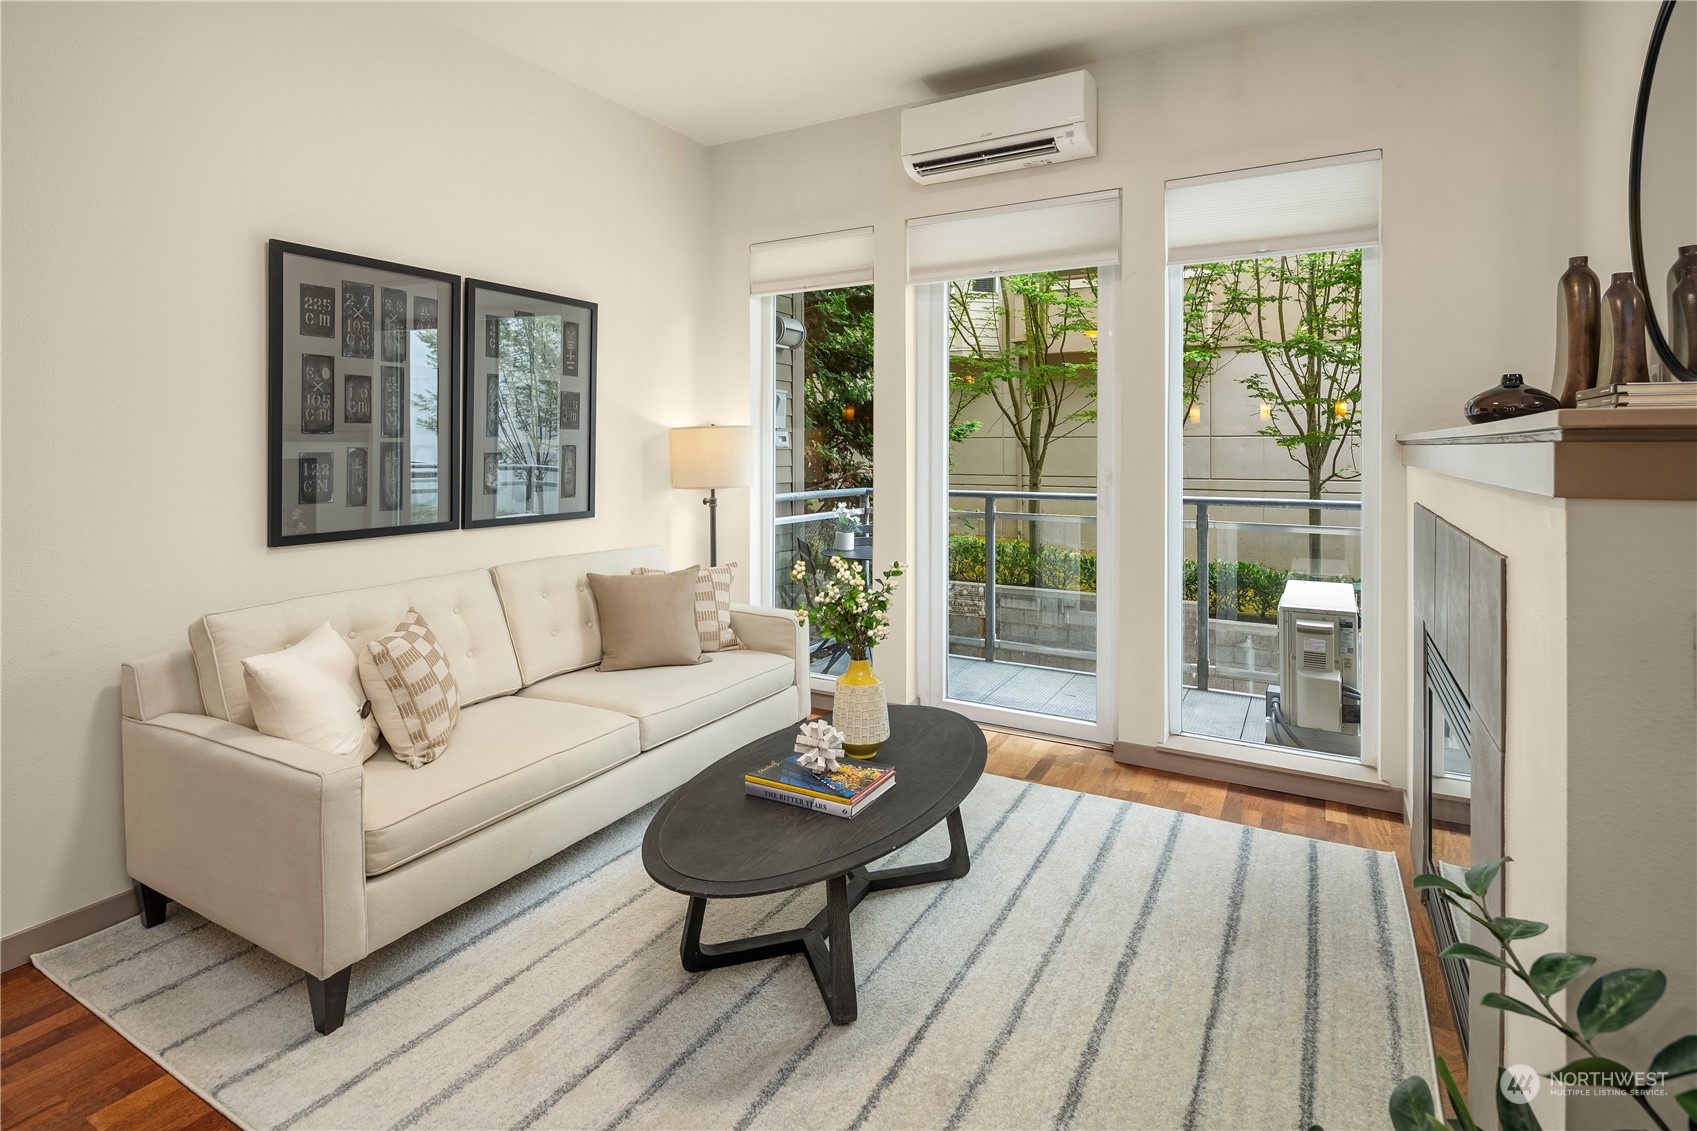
[814, 802]
[844, 785]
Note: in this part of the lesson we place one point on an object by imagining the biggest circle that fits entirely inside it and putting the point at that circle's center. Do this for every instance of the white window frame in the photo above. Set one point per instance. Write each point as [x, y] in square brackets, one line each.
[931, 466]
[1374, 609]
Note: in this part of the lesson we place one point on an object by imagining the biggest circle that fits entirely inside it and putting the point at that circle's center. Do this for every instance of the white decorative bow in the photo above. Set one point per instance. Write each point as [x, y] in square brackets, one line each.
[820, 745]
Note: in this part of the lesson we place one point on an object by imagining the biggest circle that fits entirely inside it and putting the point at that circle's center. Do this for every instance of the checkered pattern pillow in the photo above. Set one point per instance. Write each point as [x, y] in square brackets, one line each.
[712, 606]
[412, 690]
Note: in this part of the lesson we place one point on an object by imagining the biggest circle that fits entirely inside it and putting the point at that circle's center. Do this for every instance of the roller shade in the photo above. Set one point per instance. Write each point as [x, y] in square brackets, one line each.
[811, 263]
[1043, 235]
[1275, 209]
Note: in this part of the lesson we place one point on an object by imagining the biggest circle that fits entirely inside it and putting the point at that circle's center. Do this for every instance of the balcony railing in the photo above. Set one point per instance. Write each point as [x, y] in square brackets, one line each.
[1202, 524]
[992, 514]
[987, 512]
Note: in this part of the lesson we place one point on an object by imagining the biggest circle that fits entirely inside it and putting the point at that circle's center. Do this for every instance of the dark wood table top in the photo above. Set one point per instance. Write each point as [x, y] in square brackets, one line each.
[712, 839]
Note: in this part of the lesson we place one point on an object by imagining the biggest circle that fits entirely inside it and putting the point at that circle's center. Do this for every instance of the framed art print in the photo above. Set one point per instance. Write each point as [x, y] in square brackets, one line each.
[364, 369]
[530, 406]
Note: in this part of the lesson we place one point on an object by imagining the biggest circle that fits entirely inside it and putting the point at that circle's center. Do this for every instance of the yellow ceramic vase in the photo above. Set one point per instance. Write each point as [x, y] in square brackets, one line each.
[860, 710]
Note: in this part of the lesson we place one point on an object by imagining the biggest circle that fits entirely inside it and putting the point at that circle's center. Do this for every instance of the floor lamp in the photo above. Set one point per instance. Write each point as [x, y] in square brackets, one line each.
[711, 457]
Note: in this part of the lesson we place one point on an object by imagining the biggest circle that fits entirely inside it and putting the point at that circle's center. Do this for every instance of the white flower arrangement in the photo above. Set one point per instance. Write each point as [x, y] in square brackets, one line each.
[847, 608]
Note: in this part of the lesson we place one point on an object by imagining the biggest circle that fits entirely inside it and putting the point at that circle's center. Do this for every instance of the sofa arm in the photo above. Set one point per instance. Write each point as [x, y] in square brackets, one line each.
[779, 632]
[261, 835]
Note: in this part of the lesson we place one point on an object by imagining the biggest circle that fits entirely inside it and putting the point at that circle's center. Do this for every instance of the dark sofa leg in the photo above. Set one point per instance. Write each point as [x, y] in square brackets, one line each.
[152, 906]
[329, 1000]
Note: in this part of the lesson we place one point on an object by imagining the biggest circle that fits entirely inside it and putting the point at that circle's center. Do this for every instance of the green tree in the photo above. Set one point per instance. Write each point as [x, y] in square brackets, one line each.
[528, 404]
[1303, 316]
[1213, 312]
[1043, 393]
[838, 388]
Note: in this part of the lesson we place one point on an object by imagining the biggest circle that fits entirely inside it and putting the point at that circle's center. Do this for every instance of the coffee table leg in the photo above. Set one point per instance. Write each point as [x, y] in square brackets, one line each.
[951, 867]
[831, 954]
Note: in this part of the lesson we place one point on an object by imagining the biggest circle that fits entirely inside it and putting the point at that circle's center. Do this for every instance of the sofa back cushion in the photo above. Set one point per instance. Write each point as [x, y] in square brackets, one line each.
[551, 611]
[462, 608]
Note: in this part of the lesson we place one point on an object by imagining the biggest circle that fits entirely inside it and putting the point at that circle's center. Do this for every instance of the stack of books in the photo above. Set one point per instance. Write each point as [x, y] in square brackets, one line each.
[1640, 394]
[842, 792]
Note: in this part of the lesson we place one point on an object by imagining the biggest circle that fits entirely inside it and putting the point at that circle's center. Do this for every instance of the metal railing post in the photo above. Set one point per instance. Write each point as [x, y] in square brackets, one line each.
[1202, 586]
[990, 578]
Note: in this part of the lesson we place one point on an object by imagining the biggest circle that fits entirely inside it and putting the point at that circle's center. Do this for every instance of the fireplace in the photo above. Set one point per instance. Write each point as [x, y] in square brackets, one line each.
[1455, 797]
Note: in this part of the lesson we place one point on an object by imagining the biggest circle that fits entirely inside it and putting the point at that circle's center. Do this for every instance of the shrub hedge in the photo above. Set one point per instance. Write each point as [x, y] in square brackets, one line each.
[1236, 590]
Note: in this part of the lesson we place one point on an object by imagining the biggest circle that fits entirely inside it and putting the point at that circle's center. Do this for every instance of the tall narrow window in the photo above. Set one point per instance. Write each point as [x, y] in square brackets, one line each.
[1017, 448]
[1270, 268]
[819, 354]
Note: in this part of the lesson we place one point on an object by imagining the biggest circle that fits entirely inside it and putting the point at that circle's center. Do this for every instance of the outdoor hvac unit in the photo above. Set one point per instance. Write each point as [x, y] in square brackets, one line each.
[1317, 703]
[1013, 127]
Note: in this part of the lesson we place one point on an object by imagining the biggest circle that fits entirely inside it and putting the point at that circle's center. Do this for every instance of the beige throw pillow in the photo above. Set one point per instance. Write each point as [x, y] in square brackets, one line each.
[712, 606]
[647, 620]
[310, 693]
[412, 690]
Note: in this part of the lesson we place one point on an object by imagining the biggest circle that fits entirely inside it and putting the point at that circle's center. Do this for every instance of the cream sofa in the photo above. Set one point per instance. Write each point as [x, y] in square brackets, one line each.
[321, 859]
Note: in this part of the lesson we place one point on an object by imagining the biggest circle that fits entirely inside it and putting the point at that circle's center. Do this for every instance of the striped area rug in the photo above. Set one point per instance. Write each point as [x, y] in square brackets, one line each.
[1105, 964]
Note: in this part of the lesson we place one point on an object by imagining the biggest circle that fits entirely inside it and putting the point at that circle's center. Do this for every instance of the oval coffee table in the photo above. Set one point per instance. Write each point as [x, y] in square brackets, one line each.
[713, 841]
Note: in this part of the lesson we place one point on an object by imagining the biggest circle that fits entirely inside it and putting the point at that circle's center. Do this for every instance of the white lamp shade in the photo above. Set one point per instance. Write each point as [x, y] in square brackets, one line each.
[712, 456]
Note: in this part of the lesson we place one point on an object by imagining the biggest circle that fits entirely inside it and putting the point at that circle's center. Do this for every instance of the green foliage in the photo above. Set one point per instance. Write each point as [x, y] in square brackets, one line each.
[844, 606]
[1053, 567]
[838, 388]
[1042, 392]
[1302, 314]
[1213, 312]
[1246, 591]
[1610, 1003]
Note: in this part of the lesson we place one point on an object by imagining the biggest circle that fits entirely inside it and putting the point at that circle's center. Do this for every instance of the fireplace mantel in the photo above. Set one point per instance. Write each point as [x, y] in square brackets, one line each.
[1625, 453]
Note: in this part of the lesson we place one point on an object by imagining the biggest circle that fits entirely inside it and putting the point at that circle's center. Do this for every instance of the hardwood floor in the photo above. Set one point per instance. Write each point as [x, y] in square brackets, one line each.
[60, 1066]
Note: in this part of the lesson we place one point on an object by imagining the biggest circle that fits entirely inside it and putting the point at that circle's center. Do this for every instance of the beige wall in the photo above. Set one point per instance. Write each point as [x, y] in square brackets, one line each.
[1474, 107]
[150, 151]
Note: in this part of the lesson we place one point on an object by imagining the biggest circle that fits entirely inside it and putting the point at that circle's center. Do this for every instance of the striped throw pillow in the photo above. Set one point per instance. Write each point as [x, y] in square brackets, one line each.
[712, 606]
[412, 690]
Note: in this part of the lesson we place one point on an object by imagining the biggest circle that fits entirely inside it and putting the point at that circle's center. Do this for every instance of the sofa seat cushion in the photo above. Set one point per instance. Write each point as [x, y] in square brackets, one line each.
[505, 755]
[668, 702]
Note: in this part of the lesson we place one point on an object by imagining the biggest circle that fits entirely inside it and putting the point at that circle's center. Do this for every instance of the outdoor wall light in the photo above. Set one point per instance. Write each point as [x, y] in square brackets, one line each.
[1266, 411]
[788, 333]
[1194, 416]
[1091, 334]
[1341, 410]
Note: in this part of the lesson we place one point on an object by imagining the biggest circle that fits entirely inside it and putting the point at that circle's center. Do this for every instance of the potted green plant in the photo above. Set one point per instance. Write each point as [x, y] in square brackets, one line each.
[847, 528]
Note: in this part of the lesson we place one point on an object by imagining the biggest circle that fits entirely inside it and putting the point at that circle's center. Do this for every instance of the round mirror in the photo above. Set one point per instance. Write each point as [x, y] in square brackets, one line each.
[1662, 190]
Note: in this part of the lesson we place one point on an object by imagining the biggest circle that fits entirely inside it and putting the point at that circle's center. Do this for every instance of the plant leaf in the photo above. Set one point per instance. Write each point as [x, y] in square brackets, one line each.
[1429, 880]
[1619, 998]
[1480, 877]
[1514, 1117]
[1678, 1059]
[1688, 1103]
[1472, 953]
[1508, 929]
[1411, 1105]
[1513, 1005]
[1617, 1075]
[1550, 972]
[1464, 1118]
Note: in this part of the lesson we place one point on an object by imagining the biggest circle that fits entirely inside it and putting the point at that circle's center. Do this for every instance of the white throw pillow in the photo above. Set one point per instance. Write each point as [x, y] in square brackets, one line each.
[310, 693]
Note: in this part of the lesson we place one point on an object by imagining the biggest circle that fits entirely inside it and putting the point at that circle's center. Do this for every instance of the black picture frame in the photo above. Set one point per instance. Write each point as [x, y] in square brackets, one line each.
[537, 348]
[335, 320]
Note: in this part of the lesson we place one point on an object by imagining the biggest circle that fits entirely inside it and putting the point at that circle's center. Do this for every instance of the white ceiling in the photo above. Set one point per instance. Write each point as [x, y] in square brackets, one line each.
[721, 71]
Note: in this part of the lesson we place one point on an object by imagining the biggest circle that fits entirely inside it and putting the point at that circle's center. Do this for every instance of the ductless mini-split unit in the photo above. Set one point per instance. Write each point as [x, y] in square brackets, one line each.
[1013, 127]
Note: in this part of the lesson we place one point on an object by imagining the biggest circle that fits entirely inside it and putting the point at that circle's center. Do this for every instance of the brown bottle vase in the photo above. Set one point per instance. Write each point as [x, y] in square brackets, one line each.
[1624, 358]
[1578, 312]
[1682, 307]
